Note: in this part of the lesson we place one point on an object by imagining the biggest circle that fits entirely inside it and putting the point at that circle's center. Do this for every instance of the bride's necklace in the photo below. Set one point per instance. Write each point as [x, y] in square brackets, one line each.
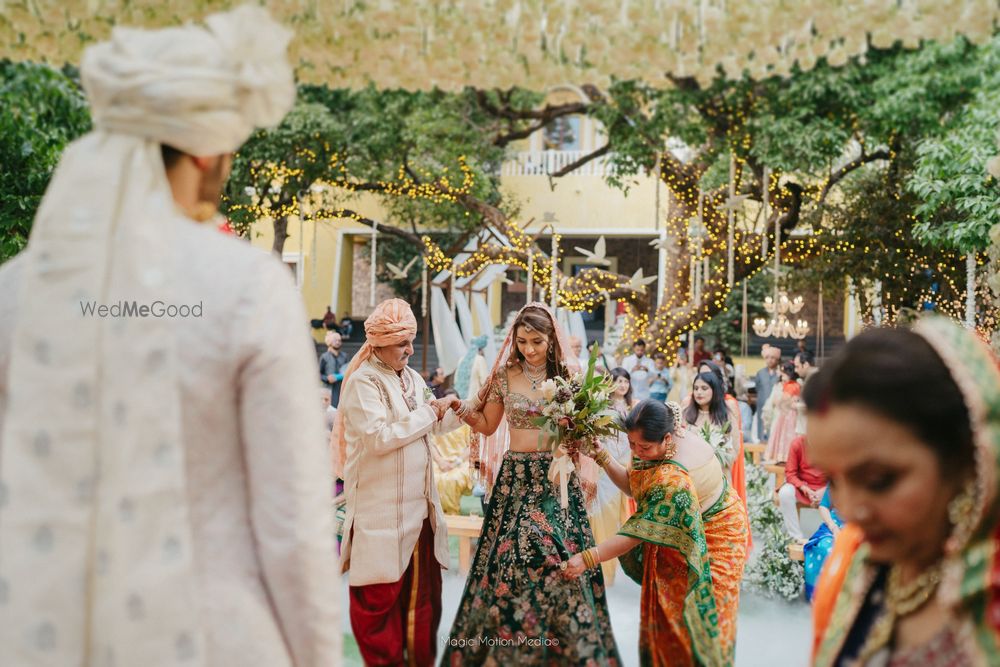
[535, 374]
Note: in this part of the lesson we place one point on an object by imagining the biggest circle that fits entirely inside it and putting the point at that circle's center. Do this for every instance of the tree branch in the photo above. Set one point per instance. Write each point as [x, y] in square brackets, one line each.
[576, 164]
[837, 176]
[368, 222]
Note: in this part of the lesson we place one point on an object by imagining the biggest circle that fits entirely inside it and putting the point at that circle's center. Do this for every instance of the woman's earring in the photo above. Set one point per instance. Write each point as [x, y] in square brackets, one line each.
[552, 352]
[960, 507]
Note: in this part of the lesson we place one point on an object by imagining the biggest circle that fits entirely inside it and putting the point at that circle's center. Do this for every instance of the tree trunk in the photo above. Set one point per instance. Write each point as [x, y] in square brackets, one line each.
[280, 236]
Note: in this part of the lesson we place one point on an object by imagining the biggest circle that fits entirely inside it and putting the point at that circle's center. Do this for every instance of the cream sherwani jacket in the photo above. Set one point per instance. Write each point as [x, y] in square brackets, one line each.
[258, 479]
[388, 479]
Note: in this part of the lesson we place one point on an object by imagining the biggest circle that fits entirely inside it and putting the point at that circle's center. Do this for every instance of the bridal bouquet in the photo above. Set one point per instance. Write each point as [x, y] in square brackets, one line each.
[577, 415]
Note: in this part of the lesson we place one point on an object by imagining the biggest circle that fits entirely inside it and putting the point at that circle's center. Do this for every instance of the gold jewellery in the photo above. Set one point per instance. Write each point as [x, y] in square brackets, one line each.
[602, 458]
[591, 558]
[904, 599]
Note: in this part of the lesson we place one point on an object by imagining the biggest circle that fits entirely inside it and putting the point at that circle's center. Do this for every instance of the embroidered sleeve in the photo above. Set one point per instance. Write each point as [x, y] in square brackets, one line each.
[498, 389]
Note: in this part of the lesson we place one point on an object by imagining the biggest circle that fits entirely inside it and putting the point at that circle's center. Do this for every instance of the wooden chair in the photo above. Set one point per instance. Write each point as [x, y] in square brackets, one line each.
[466, 529]
[796, 552]
[756, 450]
[779, 473]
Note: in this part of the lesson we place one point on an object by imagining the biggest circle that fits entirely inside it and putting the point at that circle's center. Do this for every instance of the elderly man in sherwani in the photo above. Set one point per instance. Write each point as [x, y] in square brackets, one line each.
[395, 538]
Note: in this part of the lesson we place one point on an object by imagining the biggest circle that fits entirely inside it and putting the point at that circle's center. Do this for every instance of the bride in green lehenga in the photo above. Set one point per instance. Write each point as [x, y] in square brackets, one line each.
[516, 607]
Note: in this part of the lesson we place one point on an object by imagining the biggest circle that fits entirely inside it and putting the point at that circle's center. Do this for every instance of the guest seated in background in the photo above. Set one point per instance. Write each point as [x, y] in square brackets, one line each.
[329, 319]
[346, 325]
[804, 483]
[452, 473]
[436, 382]
[819, 545]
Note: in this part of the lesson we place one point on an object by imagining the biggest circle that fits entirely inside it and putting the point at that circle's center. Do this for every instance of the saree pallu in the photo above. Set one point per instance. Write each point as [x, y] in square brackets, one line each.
[517, 608]
[679, 617]
[726, 529]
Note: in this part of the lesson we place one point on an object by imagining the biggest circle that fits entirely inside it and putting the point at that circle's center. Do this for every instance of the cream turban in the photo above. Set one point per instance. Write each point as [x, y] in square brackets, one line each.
[95, 539]
[200, 90]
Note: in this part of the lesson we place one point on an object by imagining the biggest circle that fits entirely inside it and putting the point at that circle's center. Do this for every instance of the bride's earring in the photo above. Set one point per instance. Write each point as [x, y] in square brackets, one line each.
[552, 352]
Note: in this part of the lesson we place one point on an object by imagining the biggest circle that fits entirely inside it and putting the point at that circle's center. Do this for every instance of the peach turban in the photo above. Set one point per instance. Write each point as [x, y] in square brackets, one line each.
[390, 323]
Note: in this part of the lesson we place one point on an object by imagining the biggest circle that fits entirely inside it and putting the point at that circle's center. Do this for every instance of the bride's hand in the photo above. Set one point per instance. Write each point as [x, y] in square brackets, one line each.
[574, 567]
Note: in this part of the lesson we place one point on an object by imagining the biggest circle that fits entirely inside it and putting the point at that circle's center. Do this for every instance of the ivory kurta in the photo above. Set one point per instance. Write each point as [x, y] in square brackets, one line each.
[258, 481]
[388, 479]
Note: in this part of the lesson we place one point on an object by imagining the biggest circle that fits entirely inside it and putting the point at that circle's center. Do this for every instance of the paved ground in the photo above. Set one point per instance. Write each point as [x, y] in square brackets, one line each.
[771, 633]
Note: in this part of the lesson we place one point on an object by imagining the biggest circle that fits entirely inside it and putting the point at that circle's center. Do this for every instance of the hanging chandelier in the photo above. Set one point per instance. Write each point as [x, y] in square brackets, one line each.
[779, 325]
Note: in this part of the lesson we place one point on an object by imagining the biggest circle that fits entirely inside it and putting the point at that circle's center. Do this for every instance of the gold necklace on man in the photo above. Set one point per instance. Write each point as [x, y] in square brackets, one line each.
[535, 374]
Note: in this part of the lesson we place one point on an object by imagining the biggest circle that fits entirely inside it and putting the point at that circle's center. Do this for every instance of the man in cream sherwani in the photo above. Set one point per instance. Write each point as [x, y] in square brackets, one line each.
[395, 538]
[164, 499]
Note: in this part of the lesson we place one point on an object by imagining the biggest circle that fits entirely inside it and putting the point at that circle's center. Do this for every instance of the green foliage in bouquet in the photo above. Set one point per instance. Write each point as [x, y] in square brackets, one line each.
[770, 571]
[578, 409]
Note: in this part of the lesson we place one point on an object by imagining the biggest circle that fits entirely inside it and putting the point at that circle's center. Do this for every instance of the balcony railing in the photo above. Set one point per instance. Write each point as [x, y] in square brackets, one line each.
[542, 163]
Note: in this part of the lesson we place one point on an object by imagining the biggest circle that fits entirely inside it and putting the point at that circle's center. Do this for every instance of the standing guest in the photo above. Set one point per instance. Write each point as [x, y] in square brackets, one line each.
[612, 507]
[472, 370]
[804, 483]
[329, 413]
[781, 414]
[818, 548]
[708, 413]
[576, 349]
[659, 378]
[332, 364]
[163, 498]
[436, 382]
[700, 354]
[764, 382]
[603, 365]
[639, 367]
[805, 364]
[395, 539]
[906, 424]
[686, 544]
[682, 374]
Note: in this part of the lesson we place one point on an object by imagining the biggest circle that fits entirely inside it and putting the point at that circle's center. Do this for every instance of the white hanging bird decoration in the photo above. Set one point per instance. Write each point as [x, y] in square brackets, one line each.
[597, 256]
[734, 203]
[662, 244]
[400, 273]
[505, 280]
[638, 282]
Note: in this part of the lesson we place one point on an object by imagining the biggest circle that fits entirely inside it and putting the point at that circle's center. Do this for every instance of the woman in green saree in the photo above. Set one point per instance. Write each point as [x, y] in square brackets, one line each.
[686, 543]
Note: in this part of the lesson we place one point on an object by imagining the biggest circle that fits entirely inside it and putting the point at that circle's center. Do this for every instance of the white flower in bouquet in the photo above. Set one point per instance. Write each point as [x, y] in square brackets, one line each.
[549, 389]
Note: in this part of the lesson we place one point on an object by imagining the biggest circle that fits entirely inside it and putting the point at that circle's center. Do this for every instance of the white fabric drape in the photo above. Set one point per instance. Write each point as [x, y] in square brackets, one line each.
[464, 316]
[485, 321]
[447, 338]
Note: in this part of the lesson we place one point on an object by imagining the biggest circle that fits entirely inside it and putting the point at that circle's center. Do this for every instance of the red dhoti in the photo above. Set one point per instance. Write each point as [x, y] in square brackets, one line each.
[397, 623]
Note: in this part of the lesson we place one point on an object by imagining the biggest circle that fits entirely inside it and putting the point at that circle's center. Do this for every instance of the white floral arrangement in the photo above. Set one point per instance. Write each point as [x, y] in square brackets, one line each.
[771, 571]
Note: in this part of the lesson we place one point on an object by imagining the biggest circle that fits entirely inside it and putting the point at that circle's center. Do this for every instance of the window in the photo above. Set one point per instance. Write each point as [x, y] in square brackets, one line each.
[562, 134]
[294, 262]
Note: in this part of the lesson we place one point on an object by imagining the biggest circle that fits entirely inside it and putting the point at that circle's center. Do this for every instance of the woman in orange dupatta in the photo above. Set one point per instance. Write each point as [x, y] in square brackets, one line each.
[686, 543]
[907, 425]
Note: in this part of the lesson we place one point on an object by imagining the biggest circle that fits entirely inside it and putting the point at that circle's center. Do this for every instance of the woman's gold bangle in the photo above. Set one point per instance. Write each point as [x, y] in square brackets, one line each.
[602, 458]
